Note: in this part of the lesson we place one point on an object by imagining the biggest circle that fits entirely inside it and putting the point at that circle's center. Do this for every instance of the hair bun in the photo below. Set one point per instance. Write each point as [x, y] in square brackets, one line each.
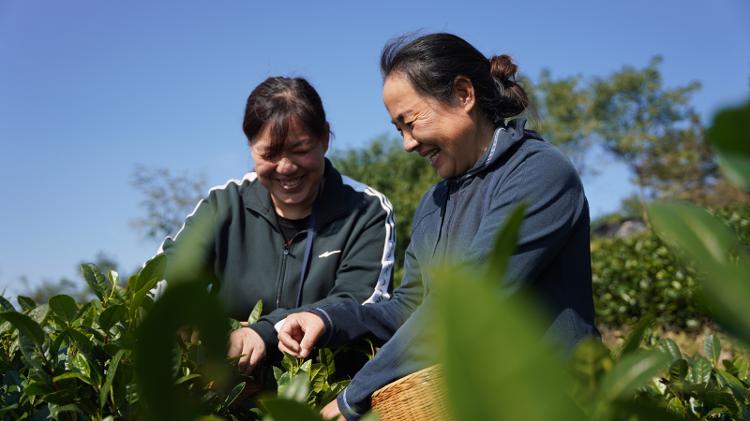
[503, 68]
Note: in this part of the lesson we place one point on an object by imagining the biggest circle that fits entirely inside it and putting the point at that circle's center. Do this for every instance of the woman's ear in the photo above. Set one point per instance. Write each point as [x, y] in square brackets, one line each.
[463, 92]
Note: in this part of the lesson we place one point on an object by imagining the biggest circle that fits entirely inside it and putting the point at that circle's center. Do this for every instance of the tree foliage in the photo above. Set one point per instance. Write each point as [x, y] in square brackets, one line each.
[168, 199]
[651, 128]
[403, 178]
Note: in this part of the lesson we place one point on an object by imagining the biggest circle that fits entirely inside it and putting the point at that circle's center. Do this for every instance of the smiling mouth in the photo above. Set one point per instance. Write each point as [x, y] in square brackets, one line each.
[432, 156]
[290, 183]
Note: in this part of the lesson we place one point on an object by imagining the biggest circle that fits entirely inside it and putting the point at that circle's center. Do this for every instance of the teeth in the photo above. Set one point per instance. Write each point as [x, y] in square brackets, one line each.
[431, 156]
[291, 183]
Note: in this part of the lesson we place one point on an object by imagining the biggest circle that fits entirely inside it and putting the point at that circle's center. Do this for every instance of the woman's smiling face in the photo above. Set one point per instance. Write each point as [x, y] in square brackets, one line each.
[439, 132]
[294, 175]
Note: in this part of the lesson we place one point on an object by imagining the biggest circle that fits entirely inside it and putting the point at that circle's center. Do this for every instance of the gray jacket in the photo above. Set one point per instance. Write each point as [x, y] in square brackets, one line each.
[460, 217]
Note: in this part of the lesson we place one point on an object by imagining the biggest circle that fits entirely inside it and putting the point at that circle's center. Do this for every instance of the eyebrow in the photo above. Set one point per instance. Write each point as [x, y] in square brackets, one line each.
[399, 119]
[297, 142]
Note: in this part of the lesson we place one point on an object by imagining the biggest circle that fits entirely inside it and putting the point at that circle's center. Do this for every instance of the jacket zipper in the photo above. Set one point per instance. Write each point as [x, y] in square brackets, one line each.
[282, 275]
[282, 270]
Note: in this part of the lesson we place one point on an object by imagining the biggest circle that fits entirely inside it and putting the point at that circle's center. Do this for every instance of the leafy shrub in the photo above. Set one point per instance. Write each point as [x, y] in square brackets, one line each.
[69, 360]
[639, 275]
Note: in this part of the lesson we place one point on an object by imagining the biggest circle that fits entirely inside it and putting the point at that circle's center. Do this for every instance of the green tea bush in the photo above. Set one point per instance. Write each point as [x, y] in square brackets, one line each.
[639, 275]
[118, 355]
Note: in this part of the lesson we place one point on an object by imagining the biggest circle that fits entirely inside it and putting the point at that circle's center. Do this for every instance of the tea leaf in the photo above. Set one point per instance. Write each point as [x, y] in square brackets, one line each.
[111, 315]
[5, 305]
[72, 375]
[106, 389]
[94, 279]
[26, 326]
[644, 410]
[64, 306]
[668, 346]
[255, 314]
[326, 358]
[26, 303]
[633, 341]
[151, 273]
[632, 372]
[729, 134]
[505, 244]
[701, 370]
[712, 348]
[234, 394]
[678, 370]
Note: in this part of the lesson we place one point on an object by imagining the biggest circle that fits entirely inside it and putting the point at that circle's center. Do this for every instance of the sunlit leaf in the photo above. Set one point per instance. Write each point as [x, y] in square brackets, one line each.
[94, 279]
[700, 369]
[72, 375]
[712, 348]
[234, 394]
[255, 314]
[106, 389]
[668, 346]
[187, 378]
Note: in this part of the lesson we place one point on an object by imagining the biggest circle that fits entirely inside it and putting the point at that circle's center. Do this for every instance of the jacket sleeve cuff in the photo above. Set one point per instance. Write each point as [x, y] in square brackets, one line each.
[349, 410]
[266, 331]
[327, 322]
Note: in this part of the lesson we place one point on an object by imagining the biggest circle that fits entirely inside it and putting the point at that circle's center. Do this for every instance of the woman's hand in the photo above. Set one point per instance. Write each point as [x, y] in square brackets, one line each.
[299, 333]
[331, 411]
[247, 343]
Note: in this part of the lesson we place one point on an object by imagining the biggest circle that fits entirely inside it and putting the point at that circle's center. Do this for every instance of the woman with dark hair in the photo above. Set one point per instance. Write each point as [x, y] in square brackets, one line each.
[451, 105]
[294, 233]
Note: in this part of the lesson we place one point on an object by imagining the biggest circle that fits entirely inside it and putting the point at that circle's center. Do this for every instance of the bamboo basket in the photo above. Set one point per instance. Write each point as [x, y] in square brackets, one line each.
[418, 396]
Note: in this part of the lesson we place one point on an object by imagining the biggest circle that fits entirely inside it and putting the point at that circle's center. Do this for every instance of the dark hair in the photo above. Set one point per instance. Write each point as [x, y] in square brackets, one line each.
[278, 100]
[432, 62]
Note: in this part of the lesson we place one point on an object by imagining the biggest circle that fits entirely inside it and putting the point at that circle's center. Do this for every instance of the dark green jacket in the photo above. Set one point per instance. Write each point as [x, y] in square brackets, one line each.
[232, 240]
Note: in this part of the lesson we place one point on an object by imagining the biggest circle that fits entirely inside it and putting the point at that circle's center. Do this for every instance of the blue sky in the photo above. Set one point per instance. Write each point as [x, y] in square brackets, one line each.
[89, 89]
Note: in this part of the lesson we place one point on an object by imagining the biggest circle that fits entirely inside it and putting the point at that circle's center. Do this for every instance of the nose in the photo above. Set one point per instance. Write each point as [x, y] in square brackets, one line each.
[285, 166]
[410, 144]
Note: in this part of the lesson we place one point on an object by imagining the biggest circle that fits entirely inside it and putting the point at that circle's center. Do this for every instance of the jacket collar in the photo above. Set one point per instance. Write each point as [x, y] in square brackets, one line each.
[503, 139]
[327, 204]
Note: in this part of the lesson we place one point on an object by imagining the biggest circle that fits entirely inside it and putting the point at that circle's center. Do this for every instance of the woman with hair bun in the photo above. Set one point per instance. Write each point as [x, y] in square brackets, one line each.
[453, 106]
